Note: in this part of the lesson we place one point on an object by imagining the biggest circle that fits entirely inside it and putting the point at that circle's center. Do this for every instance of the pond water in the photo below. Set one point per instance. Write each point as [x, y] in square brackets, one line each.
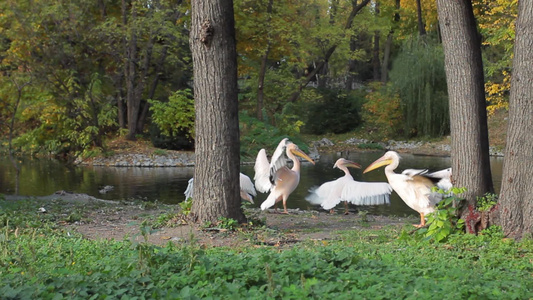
[40, 177]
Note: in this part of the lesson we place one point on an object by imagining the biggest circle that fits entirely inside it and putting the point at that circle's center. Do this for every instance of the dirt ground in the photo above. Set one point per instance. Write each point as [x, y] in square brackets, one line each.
[101, 219]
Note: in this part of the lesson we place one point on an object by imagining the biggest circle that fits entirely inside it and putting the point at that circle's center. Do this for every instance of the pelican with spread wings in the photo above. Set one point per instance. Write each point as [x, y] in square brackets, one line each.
[413, 186]
[247, 188]
[346, 189]
[275, 176]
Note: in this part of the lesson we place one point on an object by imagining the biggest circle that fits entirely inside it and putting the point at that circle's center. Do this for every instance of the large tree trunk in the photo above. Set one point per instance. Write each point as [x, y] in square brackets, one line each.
[516, 198]
[216, 173]
[468, 116]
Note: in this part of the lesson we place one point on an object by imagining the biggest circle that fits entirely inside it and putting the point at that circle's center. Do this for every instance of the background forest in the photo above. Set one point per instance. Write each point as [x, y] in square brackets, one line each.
[75, 74]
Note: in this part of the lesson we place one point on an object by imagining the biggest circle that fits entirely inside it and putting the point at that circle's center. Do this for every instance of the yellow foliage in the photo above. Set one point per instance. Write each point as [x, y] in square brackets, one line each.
[383, 111]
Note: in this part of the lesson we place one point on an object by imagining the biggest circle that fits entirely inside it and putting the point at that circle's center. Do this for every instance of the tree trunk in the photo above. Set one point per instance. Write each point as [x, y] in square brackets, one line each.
[516, 198]
[388, 46]
[468, 116]
[132, 101]
[421, 25]
[262, 71]
[351, 65]
[216, 173]
[375, 51]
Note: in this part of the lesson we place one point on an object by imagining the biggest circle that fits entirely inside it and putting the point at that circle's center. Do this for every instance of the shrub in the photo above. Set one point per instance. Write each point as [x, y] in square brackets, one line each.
[337, 112]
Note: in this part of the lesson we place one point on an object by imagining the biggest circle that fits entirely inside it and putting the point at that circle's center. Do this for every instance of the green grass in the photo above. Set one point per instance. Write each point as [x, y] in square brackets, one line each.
[38, 259]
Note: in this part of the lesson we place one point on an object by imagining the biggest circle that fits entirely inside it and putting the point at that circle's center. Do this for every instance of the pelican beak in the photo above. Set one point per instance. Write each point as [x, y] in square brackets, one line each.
[301, 154]
[378, 163]
[352, 164]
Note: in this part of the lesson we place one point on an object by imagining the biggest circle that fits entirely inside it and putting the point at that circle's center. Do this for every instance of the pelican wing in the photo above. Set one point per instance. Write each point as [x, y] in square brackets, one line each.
[247, 185]
[262, 172]
[366, 193]
[414, 172]
[444, 176]
[189, 190]
[279, 159]
[446, 173]
[324, 195]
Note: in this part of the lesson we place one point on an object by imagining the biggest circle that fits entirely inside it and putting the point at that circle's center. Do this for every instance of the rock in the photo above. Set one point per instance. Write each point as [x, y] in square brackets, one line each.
[323, 142]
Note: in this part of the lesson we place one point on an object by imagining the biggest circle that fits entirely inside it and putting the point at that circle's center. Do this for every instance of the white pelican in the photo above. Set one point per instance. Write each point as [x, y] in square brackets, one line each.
[247, 188]
[413, 186]
[275, 176]
[346, 189]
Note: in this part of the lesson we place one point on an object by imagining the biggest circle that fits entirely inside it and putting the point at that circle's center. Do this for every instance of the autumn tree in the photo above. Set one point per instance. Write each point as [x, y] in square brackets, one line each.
[468, 116]
[516, 199]
[216, 178]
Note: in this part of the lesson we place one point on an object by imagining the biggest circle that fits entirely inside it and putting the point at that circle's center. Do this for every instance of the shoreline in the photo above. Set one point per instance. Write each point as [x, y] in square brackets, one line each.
[150, 158]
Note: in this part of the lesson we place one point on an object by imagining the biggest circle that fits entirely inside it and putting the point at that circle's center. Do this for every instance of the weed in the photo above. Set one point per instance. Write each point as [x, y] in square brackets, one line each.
[486, 202]
[186, 206]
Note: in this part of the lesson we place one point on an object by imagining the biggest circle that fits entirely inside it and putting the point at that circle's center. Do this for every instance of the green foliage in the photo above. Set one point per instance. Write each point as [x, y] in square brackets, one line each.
[486, 202]
[418, 76]
[176, 115]
[227, 223]
[445, 220]
[336, 112]
[371, 264]
[256, 135]
[186, 206]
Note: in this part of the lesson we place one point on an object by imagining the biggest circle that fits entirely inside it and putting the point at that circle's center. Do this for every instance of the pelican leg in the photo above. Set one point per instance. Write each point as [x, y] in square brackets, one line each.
[422, 221]
[332, 211]
[285, 207]
[346, 208]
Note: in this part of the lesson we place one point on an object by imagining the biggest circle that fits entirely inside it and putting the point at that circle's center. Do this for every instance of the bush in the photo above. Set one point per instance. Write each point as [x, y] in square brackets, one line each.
[337, 112]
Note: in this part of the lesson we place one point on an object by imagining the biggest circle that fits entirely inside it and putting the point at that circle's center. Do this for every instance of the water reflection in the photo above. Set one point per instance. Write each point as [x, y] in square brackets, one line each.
[44, 177]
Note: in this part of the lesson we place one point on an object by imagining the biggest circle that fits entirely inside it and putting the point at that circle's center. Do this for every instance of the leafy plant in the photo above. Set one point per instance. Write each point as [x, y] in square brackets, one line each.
[486, 202]
[186, 206]
[445, 220]
[227, 223]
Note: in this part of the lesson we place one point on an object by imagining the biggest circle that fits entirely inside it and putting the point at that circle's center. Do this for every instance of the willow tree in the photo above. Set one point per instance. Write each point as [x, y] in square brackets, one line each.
[216, 173]
[418, 76]
[468, 115]
[516, 199]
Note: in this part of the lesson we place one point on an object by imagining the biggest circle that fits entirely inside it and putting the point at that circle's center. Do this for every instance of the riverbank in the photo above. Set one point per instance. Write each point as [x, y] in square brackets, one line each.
[140, 154]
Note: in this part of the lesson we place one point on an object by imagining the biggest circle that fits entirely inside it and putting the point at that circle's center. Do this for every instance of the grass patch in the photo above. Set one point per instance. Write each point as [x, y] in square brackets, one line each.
[40, 260]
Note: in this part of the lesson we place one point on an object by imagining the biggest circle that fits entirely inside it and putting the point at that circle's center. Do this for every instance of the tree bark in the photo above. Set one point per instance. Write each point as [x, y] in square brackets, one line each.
[216, 173]
[375, 51]
[421, 25]
[516, 198]
[132, 103]
[262, 70]
[388, 46]
[468, 116]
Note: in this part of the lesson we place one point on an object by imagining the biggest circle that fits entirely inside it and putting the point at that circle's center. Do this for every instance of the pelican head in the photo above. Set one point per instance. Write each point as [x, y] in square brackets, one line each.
[389, 158]
[293, 148]
[346, 163]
